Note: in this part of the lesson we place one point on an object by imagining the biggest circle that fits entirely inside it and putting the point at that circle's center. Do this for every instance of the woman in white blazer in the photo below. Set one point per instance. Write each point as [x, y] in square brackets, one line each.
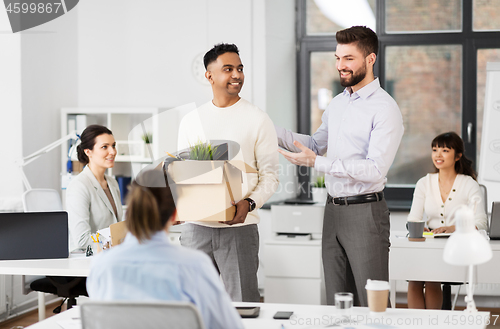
[93, 198]
[439, 195]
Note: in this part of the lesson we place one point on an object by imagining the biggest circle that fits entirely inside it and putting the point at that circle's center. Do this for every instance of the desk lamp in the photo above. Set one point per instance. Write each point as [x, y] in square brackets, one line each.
[467, 247]
[32, 157]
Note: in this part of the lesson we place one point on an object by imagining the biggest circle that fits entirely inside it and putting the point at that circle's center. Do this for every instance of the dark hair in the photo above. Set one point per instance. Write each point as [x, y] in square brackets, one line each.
[453, 141]
[217, 50]
[88, 140]
[150, 204]
[364, 38]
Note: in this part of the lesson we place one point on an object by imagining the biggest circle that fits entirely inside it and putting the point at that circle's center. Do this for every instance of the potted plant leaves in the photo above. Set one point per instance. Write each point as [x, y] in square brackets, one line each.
[202, 151]
[318, 190]
[148, 141]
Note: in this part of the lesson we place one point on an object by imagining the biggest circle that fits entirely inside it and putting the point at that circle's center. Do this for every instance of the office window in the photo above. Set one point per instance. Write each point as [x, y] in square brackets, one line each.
[426, 82]
[423, 16]
[486, 15]
[483, 56]
[325, 82]
[431, 59]
[329, 16]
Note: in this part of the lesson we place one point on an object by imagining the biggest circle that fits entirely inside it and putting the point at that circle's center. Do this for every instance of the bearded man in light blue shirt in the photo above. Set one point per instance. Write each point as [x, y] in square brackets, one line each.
[360, 132]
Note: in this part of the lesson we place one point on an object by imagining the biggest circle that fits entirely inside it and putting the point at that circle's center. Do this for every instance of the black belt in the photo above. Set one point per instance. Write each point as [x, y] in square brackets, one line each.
[355, 199]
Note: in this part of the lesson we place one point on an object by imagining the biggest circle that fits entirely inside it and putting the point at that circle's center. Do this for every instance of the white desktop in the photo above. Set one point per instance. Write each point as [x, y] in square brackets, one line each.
[321, 316]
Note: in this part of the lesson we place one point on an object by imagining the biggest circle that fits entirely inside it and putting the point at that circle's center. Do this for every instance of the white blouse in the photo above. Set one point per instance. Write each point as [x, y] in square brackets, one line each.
[427, 198]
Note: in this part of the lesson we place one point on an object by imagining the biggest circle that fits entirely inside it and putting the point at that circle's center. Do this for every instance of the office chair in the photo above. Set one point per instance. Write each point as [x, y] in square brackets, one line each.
[42, 200]
[67, 287]
[485, 203]
[38, 200]
[447, 304]
[132, 315]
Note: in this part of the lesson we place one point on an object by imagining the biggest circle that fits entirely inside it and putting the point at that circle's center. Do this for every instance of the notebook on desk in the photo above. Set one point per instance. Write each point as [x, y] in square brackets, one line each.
[33, 235]
[442, 235]
[494, 231]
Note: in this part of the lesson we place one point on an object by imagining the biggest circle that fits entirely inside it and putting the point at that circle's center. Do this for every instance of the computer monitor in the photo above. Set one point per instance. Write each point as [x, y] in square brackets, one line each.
[495, 221]
[33, 235]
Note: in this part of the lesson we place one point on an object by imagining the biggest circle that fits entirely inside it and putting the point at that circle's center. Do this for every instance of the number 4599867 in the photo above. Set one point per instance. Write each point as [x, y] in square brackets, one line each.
[470, 319]
[32, 8]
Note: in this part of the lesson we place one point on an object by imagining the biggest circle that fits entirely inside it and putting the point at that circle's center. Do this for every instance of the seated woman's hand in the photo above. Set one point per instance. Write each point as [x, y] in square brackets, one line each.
[426, 229]
[444, 229]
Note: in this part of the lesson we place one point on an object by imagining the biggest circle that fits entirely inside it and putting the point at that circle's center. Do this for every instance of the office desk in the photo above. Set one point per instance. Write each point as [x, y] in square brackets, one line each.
[78, 265]
[320, 316]
[423, 261]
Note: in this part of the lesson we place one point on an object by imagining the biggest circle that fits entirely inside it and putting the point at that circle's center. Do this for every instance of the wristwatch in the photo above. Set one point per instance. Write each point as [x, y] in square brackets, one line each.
[251, 203]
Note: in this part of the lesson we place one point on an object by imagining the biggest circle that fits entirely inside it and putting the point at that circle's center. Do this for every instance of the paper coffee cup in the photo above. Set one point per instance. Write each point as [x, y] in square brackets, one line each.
[378, 294]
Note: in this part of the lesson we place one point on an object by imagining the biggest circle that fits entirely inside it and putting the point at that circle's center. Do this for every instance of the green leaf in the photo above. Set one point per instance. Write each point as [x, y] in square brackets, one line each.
[202, 151]
[320, 182]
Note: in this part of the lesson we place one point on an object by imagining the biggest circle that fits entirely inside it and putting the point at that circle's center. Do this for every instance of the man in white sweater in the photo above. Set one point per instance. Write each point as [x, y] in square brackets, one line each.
[233, 246]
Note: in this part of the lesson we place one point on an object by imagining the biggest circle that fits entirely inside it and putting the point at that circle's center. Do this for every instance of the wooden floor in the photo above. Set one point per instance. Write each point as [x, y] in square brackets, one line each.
[30, 318]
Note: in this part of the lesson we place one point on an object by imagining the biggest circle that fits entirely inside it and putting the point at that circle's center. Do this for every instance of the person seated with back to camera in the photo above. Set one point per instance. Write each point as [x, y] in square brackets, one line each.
[439, 195]
[146, 266]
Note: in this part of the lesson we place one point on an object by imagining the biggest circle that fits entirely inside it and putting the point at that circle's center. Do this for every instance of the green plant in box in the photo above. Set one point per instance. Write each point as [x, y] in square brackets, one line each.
[202, 151]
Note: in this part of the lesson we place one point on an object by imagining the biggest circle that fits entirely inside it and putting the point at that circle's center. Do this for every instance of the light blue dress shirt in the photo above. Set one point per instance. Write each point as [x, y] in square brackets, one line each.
[159, 270]
[360, 132]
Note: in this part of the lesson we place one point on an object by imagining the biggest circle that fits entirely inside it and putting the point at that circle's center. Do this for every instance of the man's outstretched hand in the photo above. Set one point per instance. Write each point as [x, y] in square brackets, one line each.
[305, 158]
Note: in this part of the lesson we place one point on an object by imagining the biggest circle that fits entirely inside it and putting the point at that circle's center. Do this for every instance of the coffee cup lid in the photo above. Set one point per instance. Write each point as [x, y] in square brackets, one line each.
[377, 285]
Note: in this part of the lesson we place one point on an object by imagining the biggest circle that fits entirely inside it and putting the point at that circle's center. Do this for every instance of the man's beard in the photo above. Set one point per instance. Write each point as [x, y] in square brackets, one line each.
[354, 78]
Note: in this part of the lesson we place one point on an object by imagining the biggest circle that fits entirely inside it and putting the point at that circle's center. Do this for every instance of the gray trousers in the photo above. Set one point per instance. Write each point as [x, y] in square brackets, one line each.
[355, 247]
[235, 254]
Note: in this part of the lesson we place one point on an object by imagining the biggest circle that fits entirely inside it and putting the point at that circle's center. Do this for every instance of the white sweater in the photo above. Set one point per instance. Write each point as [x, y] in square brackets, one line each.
[427, 198]
[253, 130]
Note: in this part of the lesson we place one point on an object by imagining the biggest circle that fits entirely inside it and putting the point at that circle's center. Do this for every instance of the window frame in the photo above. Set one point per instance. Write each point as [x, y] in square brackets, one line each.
[398, 197]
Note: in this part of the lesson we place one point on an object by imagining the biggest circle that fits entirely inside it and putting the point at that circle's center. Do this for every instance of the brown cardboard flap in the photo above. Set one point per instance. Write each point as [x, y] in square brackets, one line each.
[196, 172]
[228, 186]
[223, 216]
[243, 166]
[118, 232]
[212, 177]
[207, 189]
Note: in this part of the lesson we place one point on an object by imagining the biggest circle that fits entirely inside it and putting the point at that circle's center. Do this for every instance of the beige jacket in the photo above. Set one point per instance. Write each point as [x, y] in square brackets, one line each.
[89, 208]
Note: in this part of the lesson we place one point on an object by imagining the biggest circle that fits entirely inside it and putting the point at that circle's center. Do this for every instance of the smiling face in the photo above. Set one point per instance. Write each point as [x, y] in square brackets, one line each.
[104, 152]
[444, 158]
[355, 69]
[226, 75]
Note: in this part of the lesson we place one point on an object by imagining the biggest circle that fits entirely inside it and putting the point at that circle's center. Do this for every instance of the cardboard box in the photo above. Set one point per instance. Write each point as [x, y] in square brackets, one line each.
[203, 190]
[118, 231]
